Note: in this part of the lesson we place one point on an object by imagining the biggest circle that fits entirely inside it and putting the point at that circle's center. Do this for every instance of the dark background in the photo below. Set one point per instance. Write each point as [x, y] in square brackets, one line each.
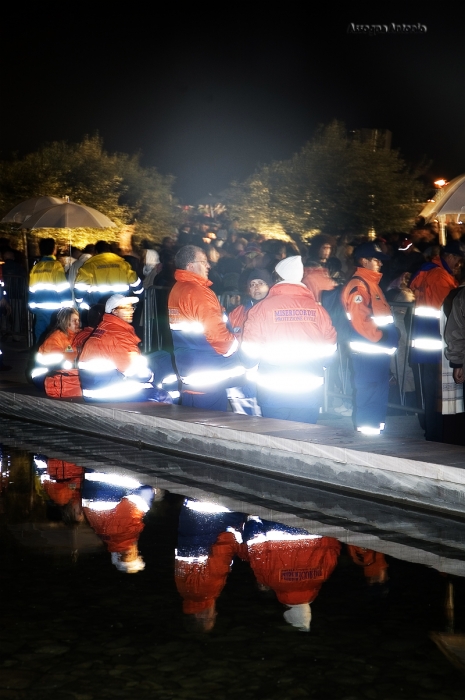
[209, 94]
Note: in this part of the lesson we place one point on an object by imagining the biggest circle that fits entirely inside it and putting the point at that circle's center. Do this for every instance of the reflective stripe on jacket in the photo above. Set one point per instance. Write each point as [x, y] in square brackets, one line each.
[58, 351]
[103, 275]
[203, 346]
[431, 286]
[291, 337]
[111, 365]
[369, 314]
[292, 562]
[48, 287]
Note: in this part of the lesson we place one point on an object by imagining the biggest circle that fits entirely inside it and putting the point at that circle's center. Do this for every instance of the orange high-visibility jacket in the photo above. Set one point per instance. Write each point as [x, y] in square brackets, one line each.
[200, 583]
[365, 300]
[118, 527]
[295, 569]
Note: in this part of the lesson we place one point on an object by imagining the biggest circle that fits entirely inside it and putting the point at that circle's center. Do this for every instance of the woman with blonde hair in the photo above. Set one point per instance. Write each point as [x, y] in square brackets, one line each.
[58, 351]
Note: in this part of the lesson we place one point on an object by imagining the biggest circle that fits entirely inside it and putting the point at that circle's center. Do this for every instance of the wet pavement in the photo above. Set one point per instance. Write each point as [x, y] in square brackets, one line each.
[74, 626]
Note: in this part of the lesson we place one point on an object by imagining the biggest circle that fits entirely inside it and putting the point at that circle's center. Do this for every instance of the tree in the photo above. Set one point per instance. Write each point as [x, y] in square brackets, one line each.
[115, 184]
[337, 183]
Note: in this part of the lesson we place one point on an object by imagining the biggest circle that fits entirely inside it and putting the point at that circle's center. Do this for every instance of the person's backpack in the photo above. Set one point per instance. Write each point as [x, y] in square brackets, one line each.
[331, 301]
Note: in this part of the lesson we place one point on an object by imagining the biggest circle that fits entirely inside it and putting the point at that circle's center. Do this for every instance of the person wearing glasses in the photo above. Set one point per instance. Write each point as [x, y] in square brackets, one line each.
[204, 347]
[111, 366]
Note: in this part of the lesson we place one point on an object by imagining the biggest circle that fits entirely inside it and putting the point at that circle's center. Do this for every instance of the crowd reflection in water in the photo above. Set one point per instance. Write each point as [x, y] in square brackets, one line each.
[114, 506]
[292, 562]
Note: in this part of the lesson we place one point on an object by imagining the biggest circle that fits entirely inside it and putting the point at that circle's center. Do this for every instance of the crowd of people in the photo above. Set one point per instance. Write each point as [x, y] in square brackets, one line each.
[255, 323]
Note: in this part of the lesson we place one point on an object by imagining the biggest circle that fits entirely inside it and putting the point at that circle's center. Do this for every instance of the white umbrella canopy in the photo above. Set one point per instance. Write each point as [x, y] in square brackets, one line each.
[68, 215]
[449, 200]
[24, 210]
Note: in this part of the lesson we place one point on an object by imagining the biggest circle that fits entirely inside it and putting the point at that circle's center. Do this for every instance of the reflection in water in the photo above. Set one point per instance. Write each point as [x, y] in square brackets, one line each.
[123, 636]
[208, 539]
[292, 562]
[115, 507]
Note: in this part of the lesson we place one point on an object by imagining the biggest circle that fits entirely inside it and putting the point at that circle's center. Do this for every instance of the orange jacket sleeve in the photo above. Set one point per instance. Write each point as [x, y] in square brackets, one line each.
[357, 302]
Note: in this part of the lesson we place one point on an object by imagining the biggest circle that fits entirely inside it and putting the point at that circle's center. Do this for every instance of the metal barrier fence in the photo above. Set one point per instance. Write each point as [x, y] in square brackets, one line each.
[14, 318]
[405, 379]
[156, 330]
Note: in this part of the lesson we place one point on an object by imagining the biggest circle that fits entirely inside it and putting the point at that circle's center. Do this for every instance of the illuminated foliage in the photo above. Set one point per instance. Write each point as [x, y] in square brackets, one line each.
[115, 184]
[336, 184]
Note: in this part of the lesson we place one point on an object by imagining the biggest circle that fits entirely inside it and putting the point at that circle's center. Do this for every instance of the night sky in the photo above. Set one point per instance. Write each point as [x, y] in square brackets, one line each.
[207, 96]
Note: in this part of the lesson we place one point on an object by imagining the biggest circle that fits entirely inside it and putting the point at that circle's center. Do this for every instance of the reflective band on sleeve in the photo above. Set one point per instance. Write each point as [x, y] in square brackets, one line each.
[38, 371]
[383, 320]
[169, 379]
[99, 506]
[427, 312]
[232, 349]
[194, 327]
[49, 358]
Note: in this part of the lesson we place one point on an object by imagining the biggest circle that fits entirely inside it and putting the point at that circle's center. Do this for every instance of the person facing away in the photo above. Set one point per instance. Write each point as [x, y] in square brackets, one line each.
[49, 289]
[103, 274]
[291, 338]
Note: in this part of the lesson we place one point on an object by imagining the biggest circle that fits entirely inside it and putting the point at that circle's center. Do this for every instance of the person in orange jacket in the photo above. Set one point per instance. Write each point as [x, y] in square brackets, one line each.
[208, 539]
[316, 278]
[62, 482]
[292, 562]
[374, 564]
[115, 507]
[291, 338]
[204, 347]
[58, 351]
[259, 283]
[374, 338]
[431, 284]
[111, 366]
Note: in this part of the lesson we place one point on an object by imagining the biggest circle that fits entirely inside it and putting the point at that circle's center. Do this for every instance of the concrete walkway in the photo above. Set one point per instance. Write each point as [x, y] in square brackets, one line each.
[398, 466]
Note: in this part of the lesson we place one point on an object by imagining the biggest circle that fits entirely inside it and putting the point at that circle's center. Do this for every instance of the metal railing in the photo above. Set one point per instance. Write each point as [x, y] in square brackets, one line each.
[14, 320]
[156, 330]
[402, 373]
